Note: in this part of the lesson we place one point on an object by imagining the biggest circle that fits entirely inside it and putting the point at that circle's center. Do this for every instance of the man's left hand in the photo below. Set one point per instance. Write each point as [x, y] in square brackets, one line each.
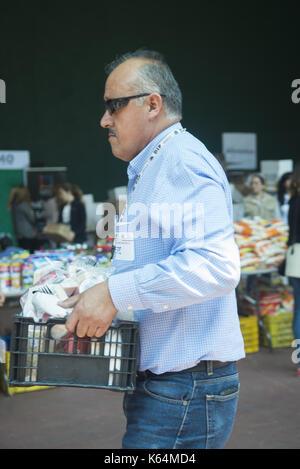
[93, 311]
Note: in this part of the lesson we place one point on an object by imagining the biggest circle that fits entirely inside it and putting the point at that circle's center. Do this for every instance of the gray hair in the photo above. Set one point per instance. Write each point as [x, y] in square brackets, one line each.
[155, 76]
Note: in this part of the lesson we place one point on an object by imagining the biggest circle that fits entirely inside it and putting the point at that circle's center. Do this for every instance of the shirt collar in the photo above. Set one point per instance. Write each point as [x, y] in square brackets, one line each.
[137, 163]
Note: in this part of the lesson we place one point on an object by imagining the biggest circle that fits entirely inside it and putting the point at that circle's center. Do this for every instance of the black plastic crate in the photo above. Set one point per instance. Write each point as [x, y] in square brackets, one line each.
[37, 359]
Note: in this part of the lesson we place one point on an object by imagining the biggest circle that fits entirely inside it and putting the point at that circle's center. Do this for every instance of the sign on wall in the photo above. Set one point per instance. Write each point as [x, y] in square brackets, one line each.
[240, 150]
[14, 159]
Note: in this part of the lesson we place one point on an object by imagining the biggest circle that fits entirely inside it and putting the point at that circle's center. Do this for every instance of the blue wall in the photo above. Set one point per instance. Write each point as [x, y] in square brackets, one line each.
[235, 63]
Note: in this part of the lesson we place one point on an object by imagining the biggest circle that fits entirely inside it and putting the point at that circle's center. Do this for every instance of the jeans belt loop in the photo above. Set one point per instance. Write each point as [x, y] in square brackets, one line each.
[210, 368]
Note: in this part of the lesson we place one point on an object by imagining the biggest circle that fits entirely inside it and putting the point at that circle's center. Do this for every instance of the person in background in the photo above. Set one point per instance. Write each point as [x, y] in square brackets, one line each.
[294, 237]
[24, 223]
[51, 212]
[259, 203]
[238, 191]
[237, 202]
[180, 287]
[51, 207]
[284, 195]
[72, 212]
[5, 242]
[7, 249]
[221, 159]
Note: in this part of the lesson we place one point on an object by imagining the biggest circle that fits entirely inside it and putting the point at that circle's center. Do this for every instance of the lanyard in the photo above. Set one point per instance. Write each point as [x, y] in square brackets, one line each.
[153, 154]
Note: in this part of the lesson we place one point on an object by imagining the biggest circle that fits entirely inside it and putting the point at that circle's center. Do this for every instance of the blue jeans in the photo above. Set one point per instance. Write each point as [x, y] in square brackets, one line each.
[182, 410]
[295, 282]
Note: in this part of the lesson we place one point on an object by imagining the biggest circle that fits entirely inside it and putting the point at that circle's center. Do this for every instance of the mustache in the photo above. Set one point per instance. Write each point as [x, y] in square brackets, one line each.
[112, 132]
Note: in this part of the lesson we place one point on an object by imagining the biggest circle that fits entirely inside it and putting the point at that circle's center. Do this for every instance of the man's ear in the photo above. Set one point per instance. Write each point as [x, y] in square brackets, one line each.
[154, 105]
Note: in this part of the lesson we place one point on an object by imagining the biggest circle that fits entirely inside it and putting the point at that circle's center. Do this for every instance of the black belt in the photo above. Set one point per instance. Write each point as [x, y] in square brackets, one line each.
[205, 365]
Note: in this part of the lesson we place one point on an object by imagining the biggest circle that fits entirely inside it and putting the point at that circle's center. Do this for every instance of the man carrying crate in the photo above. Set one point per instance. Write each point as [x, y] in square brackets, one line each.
[176, 266]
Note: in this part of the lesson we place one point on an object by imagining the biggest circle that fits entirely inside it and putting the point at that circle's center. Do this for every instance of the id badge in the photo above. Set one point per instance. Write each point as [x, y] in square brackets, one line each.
[124, 246]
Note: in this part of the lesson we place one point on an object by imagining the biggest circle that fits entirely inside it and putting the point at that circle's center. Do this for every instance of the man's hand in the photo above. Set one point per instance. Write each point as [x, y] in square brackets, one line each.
[93, 311]
[71, 236]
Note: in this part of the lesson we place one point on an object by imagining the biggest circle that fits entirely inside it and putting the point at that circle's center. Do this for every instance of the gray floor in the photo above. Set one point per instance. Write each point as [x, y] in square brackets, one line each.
[268, 414]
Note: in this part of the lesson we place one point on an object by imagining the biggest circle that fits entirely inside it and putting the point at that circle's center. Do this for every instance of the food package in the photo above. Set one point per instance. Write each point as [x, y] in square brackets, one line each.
[57, 281]
[58, 233]
[275, 302]
[262, 243]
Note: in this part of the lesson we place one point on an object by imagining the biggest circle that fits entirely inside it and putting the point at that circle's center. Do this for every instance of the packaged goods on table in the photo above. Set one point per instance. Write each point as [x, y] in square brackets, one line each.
[16, 273]
[275, 302]
[27, 273]
[262, 243]
[5, 280]
[104, 248]
[11, 271]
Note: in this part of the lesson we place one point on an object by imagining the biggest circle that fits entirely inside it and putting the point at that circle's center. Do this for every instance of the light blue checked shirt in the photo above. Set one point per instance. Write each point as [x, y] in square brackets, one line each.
[181, 288]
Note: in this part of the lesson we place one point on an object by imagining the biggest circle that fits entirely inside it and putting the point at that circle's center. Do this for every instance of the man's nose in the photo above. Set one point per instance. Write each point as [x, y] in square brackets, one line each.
[106, 120]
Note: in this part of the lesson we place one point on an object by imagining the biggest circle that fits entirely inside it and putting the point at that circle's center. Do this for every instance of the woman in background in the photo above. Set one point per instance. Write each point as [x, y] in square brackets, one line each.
[294, 237]
[259, 203]
[19, 203]
[73, 213]
[51, 209]
[284, 195]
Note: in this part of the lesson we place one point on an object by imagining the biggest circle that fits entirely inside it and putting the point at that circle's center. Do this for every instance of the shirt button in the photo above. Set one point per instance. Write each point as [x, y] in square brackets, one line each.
[166, 307]
[130, 307]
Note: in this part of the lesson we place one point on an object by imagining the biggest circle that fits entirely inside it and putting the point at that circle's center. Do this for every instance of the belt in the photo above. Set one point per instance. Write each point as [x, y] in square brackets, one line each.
[205, 365]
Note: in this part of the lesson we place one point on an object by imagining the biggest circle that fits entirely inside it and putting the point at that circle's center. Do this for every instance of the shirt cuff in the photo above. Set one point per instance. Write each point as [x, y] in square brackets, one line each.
[124, 293]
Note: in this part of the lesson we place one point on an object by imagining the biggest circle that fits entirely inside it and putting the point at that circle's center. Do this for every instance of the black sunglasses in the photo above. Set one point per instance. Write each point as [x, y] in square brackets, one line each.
[112, 105]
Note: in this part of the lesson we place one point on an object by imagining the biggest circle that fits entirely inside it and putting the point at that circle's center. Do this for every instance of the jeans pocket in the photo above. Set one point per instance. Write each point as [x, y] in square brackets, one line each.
[169, 391]
[220, 415]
